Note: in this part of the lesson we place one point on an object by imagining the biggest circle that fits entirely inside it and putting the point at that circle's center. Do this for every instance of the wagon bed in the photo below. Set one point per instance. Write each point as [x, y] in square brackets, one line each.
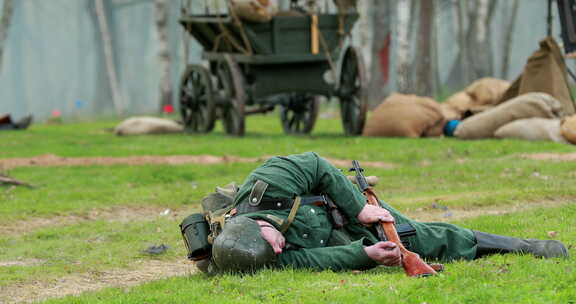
[276, 41]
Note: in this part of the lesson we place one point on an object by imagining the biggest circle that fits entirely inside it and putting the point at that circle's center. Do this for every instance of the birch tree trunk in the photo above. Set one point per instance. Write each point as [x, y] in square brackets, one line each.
[379, 70]
[475, 57]
[5, 20]
[424, 73]
[109, 56]
[403, 49]
[464, 62]
[187, 7]
[479, 50]
[161, 15]
[508, 40]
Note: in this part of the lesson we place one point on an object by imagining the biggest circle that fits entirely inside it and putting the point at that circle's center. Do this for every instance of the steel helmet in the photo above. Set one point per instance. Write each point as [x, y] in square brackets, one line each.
[240, 246]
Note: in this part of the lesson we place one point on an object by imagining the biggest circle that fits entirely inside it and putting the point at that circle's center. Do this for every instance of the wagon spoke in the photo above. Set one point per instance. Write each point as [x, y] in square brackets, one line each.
[299, 114]
[231, 85]
[196, 99]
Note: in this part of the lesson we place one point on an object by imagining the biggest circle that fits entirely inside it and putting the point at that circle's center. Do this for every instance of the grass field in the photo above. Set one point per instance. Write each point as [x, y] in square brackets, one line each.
[80, 231]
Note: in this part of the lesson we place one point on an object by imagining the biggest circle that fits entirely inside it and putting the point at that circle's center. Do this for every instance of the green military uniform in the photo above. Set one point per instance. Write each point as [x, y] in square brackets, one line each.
[312, 241]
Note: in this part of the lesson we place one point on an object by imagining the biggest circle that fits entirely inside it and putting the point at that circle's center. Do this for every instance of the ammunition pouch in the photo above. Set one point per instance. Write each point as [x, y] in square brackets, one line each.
[195, 231]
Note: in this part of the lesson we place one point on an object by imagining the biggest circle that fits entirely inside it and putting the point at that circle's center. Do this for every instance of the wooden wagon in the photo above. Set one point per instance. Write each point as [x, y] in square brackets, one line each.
[288, 62]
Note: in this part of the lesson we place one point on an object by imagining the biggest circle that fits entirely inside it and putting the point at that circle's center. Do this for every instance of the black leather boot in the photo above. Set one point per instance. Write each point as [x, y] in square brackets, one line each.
[490, 244]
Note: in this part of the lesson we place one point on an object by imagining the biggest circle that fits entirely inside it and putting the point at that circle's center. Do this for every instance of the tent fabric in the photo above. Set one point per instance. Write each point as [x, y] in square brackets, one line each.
[402, 115]
[546, 129]
[545, 71]
[483, 125]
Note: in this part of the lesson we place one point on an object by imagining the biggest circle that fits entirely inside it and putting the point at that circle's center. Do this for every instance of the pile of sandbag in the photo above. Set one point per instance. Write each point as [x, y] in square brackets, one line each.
[528, 106]
[544, 72]
[480, 95]
[254, 10]
[147, 125]
[532, 108]
[402, 115]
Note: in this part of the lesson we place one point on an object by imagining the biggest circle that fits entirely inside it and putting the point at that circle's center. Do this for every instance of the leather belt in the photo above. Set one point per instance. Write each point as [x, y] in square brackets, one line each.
[278, 204]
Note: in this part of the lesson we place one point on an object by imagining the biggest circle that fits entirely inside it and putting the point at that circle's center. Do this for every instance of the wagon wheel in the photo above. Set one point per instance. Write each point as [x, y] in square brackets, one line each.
[299, 115]
[231, 82]
[197, 99]
[353, 105]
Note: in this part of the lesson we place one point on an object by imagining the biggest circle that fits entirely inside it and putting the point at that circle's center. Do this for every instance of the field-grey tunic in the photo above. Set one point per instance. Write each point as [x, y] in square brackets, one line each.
[313, 243]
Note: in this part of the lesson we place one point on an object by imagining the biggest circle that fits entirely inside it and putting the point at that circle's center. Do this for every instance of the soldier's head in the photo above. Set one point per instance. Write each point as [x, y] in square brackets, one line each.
[242, 246]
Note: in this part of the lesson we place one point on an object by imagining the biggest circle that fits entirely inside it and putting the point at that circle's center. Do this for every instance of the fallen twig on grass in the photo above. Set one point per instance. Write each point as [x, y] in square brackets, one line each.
[6, 180]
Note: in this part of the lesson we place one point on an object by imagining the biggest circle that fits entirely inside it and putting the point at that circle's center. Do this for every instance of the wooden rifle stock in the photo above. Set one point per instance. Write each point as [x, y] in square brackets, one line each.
[413, 265]
[411, 262]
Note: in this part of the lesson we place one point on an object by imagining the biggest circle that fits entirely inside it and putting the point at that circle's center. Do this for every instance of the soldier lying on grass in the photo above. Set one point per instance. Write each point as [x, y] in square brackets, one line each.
[263, 229]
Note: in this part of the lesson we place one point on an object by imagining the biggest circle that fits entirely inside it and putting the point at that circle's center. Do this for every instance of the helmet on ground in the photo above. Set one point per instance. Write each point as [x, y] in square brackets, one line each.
[240, 247]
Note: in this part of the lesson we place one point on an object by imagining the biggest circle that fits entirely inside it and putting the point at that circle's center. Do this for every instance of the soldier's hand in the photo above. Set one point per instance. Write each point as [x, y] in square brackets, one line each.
[385, 253]
[372, 214]
[272, 236]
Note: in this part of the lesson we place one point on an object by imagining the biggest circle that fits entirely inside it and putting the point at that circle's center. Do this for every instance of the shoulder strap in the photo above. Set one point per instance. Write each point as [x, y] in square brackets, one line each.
[292, 215]
[257, 192]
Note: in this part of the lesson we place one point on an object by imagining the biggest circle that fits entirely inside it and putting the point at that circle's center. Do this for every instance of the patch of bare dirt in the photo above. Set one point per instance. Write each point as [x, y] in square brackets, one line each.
[551, 156]
[21, 262]
[117, 214]
[78, 283]
[437, 213]
[51, 160]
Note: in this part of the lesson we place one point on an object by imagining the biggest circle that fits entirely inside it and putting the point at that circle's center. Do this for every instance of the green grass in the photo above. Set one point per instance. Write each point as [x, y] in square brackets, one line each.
[264, 137]
[474, 183]
[61, 190]
[87, 247]
[454, 173]
[496, 279]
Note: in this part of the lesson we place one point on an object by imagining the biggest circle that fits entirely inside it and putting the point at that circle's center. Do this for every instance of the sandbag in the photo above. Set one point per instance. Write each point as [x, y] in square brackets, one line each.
[483, 125]
[455, 106]
[544, 72]
[254, 10]
[568, 129]
[487, 91]
[449, 112]
[479, 96]
[147, 125]
[532, 129]
[402, 115]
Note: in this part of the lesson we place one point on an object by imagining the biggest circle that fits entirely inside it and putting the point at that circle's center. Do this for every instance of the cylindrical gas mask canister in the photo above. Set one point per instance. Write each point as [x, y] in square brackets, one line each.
[195, 231]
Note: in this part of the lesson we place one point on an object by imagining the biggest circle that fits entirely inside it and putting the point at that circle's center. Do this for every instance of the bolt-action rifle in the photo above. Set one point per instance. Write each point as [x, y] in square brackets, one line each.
[411, 262]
